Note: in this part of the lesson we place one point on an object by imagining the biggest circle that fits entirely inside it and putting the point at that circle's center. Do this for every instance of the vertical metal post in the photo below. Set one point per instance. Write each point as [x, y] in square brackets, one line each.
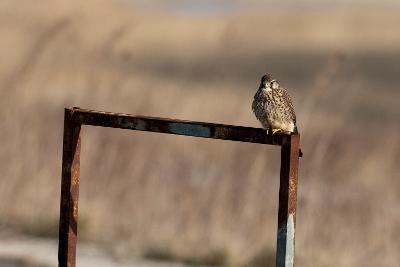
[287, 201]
[69, 191]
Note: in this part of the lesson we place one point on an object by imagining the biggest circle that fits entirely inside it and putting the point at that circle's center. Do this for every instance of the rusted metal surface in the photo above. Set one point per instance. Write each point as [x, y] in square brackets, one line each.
[69, 191]
[179, 127]
[287, 202]
[76, 117]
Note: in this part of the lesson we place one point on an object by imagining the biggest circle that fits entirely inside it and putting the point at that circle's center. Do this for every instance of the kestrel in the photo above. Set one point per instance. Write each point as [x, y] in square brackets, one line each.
[273, 107]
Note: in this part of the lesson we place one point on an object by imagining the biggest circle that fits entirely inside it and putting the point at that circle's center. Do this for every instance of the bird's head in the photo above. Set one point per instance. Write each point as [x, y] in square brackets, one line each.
[268, 83]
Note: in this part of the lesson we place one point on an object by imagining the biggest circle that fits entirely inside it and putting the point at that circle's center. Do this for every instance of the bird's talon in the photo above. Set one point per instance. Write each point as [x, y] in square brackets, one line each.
[276, 130]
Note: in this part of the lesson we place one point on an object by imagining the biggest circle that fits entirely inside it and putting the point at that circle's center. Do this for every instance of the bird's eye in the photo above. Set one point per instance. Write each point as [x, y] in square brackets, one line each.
[275, 85]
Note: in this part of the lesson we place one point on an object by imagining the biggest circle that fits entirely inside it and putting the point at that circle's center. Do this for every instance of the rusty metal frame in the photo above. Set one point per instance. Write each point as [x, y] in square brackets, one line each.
[76, 117]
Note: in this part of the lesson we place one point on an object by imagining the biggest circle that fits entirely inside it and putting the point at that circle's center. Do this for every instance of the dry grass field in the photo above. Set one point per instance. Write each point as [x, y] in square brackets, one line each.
[197, 200]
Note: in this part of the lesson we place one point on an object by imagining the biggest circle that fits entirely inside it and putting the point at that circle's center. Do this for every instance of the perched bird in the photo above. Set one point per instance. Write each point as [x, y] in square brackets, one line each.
[273, 107]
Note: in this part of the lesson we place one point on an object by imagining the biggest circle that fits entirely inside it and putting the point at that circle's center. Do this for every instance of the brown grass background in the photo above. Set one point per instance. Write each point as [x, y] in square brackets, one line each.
[204, 200]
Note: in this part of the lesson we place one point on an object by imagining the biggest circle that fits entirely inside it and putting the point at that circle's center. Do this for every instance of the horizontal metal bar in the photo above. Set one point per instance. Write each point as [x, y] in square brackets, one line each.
[179, 127]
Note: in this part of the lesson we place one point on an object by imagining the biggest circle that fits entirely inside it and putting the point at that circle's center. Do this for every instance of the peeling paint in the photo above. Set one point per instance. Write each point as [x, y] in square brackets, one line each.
[75, 211]
[292, 185]
[75, 177]
[285, 245]
[281, 247]
[289, 258]
[188, 129]
[141, 125]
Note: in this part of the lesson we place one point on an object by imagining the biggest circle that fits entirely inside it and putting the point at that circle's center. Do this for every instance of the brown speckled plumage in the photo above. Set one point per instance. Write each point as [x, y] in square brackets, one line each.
[273, 107]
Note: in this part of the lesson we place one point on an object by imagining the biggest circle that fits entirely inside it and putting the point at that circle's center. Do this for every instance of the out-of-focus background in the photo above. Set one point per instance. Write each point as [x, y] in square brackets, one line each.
[164, 198]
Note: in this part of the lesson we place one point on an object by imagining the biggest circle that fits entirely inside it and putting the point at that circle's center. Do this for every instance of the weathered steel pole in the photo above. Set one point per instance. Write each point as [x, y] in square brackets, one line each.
[287, 201]
[69, 191]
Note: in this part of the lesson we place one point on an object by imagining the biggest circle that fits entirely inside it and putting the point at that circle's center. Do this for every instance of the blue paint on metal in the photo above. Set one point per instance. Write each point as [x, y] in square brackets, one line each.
[285, 244]
[189, 129]
[289, 260]
[281, 247]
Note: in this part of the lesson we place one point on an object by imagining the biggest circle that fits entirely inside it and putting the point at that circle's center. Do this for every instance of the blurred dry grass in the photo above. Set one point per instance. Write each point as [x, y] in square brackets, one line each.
[193, 199]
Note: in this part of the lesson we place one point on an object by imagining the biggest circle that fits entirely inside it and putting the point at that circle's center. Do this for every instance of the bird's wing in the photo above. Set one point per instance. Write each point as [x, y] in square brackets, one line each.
[288, 103]
[258, 103]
